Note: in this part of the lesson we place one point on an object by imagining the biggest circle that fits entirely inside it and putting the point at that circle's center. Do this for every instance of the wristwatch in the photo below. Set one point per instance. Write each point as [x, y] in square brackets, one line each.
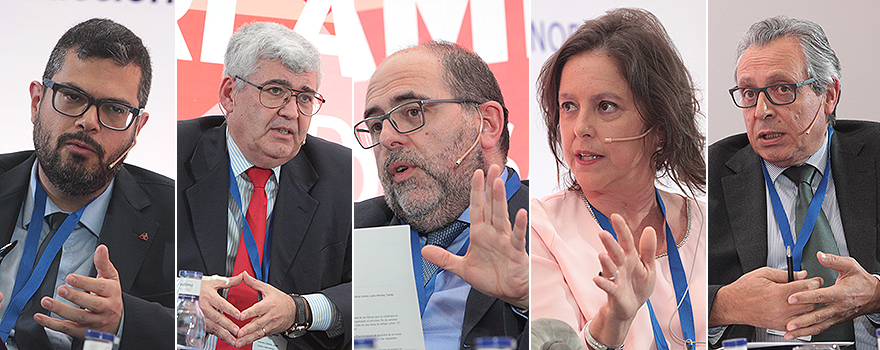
[300, 324]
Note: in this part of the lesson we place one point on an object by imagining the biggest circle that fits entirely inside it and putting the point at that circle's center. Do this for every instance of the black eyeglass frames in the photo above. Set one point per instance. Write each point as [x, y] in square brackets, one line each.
[777, 94]
[74, 102]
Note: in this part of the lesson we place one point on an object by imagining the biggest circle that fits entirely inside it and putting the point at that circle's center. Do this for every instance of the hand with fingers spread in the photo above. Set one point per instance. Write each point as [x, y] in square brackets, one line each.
[272, 315]
[99, 299]
[215, 308]
[759, 298]
[496, 262]
[632, 275]
[855, 293]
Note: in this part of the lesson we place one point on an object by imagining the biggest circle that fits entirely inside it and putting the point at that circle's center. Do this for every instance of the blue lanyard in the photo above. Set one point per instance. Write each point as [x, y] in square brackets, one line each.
[679, 281]
[27, 281]
[260, 270]
[797, 249]
[425, 291]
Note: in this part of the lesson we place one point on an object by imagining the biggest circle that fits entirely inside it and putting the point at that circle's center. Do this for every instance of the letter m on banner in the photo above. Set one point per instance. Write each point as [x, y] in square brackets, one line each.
[444, 21]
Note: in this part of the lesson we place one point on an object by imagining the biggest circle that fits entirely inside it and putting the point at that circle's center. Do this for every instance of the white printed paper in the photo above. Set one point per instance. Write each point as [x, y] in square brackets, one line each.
[386, 303]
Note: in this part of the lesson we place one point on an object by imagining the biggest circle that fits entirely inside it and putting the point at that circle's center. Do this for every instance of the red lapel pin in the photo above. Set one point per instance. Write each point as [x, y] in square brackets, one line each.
[144, 236]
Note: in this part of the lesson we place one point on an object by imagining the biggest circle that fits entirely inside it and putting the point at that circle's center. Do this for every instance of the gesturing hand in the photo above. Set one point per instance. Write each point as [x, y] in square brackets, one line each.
[274, 314]
[496, 262]
[632, 275]
[856, 292]
[214, 306]
[100, 302]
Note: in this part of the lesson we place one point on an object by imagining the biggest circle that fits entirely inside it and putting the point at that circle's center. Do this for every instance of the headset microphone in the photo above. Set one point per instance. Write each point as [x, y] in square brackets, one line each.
[810, 128]
[458, 162]
[631, 138]
[124, 153]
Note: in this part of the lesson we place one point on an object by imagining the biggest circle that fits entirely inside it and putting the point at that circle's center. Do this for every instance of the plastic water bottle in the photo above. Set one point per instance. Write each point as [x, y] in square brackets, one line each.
[96, 340]
[735, 344]
[495, 343]
[190, 319]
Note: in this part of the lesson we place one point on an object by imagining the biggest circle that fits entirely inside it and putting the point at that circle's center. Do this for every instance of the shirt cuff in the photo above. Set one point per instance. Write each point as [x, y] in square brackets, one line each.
[715, 334]
[119, 332]
[524, 315]
[875, 317]
[323, 312]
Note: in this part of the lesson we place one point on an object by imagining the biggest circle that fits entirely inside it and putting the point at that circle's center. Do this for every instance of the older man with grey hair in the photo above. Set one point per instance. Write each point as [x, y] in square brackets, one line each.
[283, 255]
[814, 179]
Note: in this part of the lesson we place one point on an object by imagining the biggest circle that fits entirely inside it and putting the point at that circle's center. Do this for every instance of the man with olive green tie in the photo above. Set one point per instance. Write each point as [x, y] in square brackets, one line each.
[814, 179]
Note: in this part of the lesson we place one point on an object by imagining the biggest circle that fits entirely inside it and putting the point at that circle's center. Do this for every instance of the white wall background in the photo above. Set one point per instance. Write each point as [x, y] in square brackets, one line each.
[853, 32]
[685, 21]
[29, 31]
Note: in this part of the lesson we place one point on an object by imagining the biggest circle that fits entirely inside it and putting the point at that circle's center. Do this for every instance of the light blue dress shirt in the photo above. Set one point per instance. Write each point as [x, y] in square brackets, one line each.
[444, 312]
[77, 253]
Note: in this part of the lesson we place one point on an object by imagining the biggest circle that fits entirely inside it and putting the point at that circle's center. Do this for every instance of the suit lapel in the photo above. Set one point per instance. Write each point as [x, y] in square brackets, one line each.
[208, 205]
[747, 200]
[127, 233]
[292, 215]
[12, 193]
[855, 180]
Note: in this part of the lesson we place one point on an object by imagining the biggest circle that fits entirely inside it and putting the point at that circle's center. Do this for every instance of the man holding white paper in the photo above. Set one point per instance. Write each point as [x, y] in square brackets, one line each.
[435, 119]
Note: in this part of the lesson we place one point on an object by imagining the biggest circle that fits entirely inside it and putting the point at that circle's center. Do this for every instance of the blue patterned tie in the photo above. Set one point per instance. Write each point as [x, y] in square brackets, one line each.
[441, 238]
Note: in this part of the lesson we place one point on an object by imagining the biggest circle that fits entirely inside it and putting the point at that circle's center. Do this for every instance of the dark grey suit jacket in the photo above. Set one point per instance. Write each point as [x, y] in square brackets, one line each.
[484, 316]
[142, 202]
[311, 234]
[738, 206]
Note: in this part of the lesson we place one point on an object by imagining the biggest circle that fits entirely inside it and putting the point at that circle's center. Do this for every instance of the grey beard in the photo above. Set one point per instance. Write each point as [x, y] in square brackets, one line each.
[452, 195]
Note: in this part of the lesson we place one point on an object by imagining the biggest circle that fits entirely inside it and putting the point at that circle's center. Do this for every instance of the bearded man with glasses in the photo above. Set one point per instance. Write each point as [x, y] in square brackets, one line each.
[435, 119]
[265, 205]
[798, 192]
[94, 234]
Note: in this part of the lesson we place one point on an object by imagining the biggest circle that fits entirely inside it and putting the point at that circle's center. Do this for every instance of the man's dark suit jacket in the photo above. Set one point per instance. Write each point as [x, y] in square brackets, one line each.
[142, 203]
[484, 316]
[311, 234]
[738, 205]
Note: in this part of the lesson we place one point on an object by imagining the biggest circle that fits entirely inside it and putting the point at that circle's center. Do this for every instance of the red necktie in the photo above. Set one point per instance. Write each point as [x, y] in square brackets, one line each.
[242, 296]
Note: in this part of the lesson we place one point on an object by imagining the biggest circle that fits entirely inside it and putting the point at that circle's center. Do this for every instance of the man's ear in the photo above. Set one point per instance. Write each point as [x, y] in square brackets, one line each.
[227, 94]
[36, 91]
[832, 96]
[141, 122]
[492, 114]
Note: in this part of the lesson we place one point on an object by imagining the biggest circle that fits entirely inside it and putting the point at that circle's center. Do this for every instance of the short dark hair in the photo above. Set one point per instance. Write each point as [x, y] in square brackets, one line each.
[103, 38]
[662, 87]
[468, 77]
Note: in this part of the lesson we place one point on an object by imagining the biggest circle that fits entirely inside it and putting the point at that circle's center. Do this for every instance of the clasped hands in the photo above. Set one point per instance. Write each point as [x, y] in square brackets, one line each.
[496, 262]
[765, 298]
[275, 313]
